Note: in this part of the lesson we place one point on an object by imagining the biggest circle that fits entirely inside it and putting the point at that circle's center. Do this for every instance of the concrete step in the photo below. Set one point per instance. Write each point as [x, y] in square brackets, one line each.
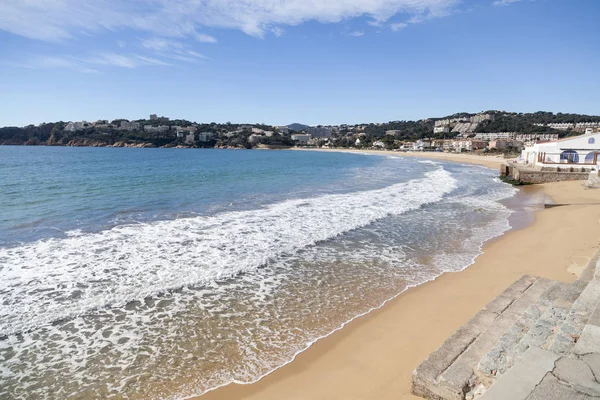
[589, 341]
[522, 379]
[580, 313]
[533, 328]
[544, 375]
[449, 373]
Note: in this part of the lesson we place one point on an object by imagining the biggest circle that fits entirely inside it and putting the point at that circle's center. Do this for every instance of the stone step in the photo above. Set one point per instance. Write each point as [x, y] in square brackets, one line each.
[544, 375]
[589, 342]
[580, 313]
[449, 373]
[533, 327]
[522, 379]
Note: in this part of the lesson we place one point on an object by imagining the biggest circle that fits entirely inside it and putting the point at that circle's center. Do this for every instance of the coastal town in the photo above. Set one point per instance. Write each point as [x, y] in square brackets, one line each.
[538, 147]
[480, 133]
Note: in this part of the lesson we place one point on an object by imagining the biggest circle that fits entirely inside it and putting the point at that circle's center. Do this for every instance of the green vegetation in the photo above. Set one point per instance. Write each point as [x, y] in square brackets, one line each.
[236, 135]
[411, 130]
[511, 181]
[524, 123]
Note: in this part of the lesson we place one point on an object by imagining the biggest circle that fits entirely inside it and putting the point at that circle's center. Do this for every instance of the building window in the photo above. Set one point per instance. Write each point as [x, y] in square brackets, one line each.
[569, 156]
[591, 140]
[592, 158]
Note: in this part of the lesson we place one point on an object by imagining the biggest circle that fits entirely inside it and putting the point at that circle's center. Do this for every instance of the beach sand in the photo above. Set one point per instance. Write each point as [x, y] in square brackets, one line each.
[373, 357]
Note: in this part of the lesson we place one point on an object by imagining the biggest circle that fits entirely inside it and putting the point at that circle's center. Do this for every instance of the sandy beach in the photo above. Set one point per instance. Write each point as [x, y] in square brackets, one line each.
[373, 357]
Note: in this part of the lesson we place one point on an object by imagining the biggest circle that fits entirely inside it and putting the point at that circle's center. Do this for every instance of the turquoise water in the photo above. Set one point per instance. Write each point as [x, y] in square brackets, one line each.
[47, 190]
[163, 273]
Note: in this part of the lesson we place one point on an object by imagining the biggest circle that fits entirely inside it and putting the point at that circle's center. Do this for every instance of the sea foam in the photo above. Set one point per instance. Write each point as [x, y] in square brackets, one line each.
[60, 278]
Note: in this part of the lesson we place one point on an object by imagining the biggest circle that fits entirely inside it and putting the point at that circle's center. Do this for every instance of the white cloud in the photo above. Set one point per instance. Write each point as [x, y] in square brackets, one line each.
[51, 62]
[172, 49]
[398, 26]
[114, 60]
[160, 44]
[504, 2]
[56, 20]
[204, 38]
[152, 61]
[87, 64]
[375, 23]
[357, 33]
[277, 31]
[196, 54]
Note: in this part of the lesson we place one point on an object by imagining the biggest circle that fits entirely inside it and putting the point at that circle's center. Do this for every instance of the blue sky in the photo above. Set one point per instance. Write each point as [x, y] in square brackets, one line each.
[284, 61]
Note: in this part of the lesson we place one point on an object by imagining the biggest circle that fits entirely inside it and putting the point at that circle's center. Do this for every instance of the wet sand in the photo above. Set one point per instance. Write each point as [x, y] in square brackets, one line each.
[490, 161]
[373, 357]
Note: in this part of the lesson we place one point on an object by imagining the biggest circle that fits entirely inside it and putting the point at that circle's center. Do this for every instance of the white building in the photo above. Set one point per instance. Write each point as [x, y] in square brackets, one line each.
[76, 126]
[589, 131]
[441, 129]
[205, 136]
[129, 126]
[536, 137]
[394, 132]
[160, 129]
[462, 145]
[582, 151]
[189, 139]
[419, 145]
[506, 144]
[563, 126]
[301, 138]
[181, 131]
[495, 136]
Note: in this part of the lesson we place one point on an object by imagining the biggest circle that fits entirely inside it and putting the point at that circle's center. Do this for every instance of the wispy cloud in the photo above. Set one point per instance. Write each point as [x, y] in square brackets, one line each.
[398, 26]
[161, 44]
[171, 30]
[89, 65]
[171, 49]
[277, 31]
[204, 38]
[152, 61]
[56, 20]
[113, 59]
[505, 2]
[51, 62]
[427, 15]
[196, 54]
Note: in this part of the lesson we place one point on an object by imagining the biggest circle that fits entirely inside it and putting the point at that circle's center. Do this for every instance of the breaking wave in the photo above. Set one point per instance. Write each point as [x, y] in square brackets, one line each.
[60, 278]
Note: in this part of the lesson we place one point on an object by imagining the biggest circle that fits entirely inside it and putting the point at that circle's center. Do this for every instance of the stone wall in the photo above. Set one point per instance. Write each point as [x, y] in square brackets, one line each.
[530, 175]
[545, 177]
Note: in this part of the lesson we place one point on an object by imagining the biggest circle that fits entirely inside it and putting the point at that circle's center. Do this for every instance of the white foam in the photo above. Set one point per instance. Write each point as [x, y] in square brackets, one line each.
[53, 279]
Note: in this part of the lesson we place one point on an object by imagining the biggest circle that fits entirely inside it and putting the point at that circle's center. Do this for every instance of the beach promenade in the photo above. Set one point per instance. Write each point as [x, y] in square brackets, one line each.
[374, 356]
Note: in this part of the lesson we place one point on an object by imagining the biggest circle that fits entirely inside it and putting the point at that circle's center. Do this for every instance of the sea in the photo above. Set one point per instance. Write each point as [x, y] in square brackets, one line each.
[166, 273]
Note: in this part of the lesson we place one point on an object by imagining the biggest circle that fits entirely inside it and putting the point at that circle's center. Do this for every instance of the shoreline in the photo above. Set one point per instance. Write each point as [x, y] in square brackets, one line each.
[355, 363]
[493, 162]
